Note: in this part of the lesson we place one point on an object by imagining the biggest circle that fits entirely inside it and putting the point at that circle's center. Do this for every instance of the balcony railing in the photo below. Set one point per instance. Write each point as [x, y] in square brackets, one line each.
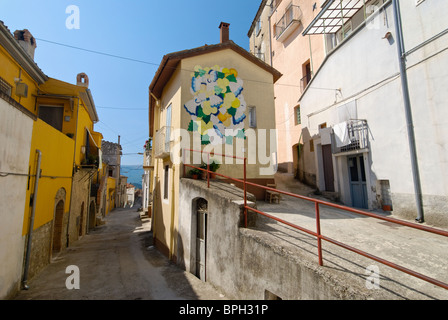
[162, 142]
[305, 80]
[288, 22]
[355, 137]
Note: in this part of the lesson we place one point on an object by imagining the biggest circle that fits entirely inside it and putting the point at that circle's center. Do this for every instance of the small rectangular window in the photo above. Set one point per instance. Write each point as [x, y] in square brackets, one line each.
[298, 119]
[252, 117]
[258, 27]
[306, 74]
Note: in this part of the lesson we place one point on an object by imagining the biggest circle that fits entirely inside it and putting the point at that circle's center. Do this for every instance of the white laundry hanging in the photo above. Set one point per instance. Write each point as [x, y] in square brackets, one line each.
[341, 134]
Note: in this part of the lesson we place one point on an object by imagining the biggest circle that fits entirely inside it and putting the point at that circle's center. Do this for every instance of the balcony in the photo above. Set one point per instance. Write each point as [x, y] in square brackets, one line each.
[305, 80]
[349, 136]
[288, 22]
[162, 142]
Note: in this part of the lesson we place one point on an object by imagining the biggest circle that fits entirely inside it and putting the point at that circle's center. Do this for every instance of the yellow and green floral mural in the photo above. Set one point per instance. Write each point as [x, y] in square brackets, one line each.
[218, 108]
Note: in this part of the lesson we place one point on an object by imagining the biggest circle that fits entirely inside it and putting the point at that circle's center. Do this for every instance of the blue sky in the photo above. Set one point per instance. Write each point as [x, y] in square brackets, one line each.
[143, 30]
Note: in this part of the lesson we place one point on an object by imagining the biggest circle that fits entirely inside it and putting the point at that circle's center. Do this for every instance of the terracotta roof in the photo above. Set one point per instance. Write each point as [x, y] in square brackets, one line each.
[171, 60]
[10, 44]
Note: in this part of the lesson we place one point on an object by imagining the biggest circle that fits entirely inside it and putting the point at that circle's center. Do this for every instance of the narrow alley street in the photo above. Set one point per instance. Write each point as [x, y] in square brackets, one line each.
[117, 261]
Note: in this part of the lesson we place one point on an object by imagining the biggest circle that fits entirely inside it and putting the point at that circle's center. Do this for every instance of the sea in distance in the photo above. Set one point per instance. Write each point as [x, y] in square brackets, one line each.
[134, 174]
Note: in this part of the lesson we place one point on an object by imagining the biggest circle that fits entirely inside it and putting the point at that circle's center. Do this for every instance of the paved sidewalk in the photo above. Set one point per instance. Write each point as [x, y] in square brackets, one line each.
[117, 262]
[417, 250]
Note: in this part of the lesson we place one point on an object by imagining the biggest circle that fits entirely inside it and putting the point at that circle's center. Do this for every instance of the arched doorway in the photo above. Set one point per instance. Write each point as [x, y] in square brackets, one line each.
[92, 215]
[57, 227]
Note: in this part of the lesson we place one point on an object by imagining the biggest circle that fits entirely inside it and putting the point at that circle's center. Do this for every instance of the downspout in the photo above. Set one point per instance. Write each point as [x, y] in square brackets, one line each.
[408, 112]
[73, 177]
[88, 203]
[270, 40]
[171, 253]
[31, 226]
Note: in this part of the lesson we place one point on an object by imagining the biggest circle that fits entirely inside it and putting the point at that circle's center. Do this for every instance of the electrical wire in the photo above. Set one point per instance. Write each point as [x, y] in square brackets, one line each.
[151, 63]
[97, 52]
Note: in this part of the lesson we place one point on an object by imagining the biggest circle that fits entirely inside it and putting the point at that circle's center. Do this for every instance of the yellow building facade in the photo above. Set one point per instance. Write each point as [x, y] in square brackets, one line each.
[49, 163]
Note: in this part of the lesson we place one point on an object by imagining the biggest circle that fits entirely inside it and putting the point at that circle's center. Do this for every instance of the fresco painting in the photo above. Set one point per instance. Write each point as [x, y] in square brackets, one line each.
[218, 108]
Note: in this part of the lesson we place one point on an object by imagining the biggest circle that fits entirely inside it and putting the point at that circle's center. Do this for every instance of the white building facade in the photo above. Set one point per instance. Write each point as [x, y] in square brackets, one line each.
[358, 141]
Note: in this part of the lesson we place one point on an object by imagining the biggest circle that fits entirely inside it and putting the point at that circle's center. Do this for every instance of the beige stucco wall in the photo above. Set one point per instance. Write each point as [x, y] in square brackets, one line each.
[258, 92]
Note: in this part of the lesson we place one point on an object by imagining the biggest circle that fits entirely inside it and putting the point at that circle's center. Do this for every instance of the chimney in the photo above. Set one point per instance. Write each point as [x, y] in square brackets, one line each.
[224, 31]
[26, 41]
[82, 80]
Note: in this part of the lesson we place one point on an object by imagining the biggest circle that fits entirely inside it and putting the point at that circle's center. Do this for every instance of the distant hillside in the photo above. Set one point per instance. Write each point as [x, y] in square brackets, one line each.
[134, 174]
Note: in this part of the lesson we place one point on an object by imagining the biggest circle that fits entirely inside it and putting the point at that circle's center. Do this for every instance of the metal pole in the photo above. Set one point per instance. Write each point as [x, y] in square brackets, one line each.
[319, 236]
[408, 112]
[31, 226]
[245, 195]
[208, 170]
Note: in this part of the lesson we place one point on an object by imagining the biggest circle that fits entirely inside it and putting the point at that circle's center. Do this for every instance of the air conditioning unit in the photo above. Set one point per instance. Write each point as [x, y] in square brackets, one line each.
[22, 89]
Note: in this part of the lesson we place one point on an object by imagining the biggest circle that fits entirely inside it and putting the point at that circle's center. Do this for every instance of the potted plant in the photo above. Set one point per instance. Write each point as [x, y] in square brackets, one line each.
[195, 173]
[214, 166]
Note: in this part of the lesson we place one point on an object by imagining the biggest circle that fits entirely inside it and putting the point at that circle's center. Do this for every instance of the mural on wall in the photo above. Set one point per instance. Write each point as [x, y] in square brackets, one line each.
[218, 108]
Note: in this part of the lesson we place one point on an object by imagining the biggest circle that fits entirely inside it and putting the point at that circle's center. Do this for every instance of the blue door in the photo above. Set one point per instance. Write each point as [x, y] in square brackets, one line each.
[358, 185]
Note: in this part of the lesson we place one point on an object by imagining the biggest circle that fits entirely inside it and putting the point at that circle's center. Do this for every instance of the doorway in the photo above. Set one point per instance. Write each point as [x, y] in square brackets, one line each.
[92, 215]
[81, 220]
[201, 238]
[57, 227]
[327, 159]
[358, 184]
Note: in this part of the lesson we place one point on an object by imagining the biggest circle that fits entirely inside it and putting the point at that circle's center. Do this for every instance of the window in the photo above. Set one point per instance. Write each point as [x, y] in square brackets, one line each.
[258, 27]
[252, 117]
[372, 7]
[168, 128]
[298, 119]
[306, 74]
[5, 87]
[276, 3]
[166, 182]
[52, 115]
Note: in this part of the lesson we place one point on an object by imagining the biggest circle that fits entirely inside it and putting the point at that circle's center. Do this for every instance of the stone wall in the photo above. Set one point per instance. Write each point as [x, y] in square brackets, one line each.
[248, 263]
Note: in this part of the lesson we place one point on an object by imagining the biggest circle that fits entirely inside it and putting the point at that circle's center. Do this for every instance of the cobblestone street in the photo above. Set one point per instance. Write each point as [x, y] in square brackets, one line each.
[117, 261]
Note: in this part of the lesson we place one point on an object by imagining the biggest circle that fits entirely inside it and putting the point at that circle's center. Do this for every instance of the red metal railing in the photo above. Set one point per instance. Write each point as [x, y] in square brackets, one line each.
[318, 233]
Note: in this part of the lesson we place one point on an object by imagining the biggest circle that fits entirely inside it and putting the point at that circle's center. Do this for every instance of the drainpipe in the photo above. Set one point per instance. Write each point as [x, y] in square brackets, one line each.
[408, 112]
[31, 226]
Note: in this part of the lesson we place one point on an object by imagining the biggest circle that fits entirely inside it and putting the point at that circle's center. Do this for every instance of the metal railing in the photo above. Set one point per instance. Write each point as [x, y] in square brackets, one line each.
[318, 234]
[162, 142]
[357, 132]
[305, 80]
[292, 14]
